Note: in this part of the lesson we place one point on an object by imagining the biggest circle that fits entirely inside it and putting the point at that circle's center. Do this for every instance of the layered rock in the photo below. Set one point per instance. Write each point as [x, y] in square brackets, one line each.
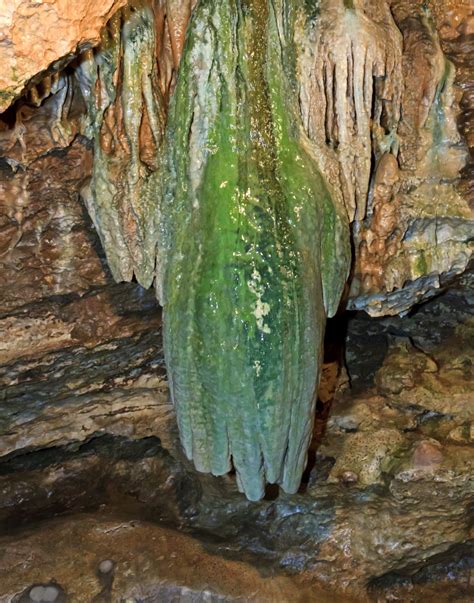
[396, 455]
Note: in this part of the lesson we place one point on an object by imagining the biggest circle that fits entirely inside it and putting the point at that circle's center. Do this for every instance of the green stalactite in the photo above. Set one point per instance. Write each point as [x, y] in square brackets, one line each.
[256, 253]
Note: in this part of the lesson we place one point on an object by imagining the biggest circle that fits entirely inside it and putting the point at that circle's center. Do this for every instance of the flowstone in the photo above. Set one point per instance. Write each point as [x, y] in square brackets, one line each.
[257, 252]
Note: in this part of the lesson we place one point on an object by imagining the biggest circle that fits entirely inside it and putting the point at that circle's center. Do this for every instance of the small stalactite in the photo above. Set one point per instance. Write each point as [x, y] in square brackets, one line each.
[127, 82]
[350, 92]
[388, 254]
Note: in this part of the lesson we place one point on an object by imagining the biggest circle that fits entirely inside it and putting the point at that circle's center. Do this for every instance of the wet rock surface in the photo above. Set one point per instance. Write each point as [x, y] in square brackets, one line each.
[385, 513]
[90, 449]
[381, 82]
[149, 563]
[97, 502]
[30, 40]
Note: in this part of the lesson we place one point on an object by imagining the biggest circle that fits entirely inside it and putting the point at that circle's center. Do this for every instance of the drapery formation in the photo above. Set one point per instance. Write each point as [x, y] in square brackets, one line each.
[256, 251]
[228, 168]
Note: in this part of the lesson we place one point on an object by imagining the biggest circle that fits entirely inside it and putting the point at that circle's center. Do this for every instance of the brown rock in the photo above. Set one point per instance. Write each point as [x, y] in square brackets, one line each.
[48, 247]
[427, 455]
[402, 368]
[152, 563]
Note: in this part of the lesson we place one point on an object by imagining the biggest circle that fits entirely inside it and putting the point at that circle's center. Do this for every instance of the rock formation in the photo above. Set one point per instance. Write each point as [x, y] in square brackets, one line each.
[40, 38]
[127, 82]
[379, 108]
[250, 226]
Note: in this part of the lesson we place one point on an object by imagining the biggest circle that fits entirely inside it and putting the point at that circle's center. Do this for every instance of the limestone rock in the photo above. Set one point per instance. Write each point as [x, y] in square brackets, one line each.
[126, 83]
[375, 83]
[350, 74]
[387, 503]
[152, 563]
[35, 37]
[46, 243]
[85, 421]
[363, 456]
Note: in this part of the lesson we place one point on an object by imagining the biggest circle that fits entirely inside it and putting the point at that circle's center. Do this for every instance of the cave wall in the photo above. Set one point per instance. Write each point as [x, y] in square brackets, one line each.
[385, 101]
[81, 356]
[397, 156]
[386, 105]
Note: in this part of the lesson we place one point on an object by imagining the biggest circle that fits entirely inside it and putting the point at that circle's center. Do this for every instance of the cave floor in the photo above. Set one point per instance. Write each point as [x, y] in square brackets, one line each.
[102, 558]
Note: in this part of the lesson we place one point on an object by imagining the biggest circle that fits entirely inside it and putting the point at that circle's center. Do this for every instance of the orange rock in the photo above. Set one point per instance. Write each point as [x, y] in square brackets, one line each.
[34, 35]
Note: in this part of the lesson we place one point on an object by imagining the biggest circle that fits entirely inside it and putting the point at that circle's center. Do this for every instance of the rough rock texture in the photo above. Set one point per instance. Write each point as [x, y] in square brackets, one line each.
[380, 99]
[378, 79]
[455, 24]
[86, 422]
[47, 247]
[91, 469]
[416, 238]
[37, 36]
[172, 567]
[127, 82]
[384, 511]
[61, 317]
[46, 242]
[351, 87]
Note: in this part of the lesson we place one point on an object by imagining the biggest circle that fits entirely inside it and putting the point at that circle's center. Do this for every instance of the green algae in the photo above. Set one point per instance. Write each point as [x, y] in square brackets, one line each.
[256, 252]
[250, 251]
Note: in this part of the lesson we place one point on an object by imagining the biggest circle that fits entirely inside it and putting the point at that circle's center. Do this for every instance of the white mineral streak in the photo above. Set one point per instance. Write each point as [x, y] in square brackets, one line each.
[350, 86]
[204, 108]
[261, 308]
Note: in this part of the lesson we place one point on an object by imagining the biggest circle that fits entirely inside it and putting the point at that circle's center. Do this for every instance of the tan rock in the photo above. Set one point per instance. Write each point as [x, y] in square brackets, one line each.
[427, 455]
[365, 455]
[350, 67]
[151, 563]
[34, 35]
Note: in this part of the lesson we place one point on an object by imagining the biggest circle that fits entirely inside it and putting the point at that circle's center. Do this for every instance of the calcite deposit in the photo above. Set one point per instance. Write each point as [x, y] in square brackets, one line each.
[98, 501]
[126, 83]
[37, 37]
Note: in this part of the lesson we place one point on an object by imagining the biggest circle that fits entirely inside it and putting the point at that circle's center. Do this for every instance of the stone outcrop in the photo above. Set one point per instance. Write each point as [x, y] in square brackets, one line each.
[36, 37]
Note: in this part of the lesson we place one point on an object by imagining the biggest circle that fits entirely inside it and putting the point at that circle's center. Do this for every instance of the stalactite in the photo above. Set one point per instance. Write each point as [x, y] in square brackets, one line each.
[285, 116]
[50, 101]
[257, 252]
[126, 83]
[350, 92]
[400, 252]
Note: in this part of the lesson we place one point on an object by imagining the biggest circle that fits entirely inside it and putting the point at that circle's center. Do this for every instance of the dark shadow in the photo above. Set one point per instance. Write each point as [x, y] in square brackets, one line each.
[455, 564]
[333, 364]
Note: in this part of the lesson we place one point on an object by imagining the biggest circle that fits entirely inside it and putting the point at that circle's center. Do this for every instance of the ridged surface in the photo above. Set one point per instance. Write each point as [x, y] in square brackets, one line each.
[255, 250]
